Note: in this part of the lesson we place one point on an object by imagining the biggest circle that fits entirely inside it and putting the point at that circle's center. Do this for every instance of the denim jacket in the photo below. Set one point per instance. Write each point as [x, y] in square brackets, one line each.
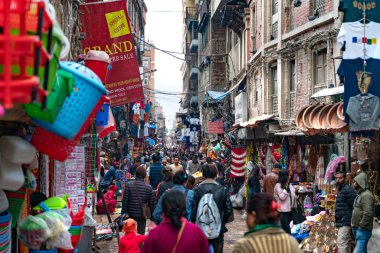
[157, 214]
[364, 112]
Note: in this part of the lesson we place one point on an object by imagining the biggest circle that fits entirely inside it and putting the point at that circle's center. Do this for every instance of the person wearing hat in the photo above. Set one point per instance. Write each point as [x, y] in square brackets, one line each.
[343, 211]
[362, 215]
[131, 241]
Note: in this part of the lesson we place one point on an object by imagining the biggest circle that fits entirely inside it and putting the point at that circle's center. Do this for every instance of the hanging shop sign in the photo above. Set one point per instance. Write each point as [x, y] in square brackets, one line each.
[106, 27]
[241, 108]
[215, 127]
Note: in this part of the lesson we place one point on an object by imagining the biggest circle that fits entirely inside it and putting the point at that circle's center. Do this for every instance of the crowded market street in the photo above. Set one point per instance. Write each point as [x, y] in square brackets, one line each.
[189, 126]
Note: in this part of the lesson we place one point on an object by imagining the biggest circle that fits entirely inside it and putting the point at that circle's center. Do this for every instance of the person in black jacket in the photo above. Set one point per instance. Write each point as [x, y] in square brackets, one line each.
[221, 198]
[343, 212]
[137, 194]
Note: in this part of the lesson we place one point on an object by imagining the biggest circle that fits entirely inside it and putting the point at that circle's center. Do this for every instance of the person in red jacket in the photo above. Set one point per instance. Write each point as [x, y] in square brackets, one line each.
[131, 241]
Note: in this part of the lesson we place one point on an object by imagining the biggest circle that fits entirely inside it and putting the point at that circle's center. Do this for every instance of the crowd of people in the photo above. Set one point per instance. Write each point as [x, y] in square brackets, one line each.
[193, 216]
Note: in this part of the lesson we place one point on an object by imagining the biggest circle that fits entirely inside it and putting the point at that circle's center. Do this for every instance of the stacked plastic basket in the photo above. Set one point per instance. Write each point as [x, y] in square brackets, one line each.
[5, 232]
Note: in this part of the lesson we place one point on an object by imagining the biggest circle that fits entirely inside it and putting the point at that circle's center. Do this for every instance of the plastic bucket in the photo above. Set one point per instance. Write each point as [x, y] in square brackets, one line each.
[99, 68]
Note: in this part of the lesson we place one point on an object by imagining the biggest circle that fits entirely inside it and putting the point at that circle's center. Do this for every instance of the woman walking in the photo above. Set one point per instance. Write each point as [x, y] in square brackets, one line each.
[285, 194]
[179, 235]
[264, 235]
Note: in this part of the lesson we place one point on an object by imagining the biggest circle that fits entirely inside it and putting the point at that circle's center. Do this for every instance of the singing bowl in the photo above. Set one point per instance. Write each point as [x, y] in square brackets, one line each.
[340, 111]
[322, 117]
[299, 122]
[305, 116]
[313, 116]
[333, 120]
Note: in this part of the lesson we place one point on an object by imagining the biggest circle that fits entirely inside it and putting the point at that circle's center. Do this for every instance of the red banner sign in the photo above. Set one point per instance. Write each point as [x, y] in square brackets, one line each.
[216, 127]
[106, 27]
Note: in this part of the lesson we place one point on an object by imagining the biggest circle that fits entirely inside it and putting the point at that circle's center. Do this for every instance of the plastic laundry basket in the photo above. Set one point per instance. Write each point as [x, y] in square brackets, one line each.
[57, 147]
[63, 86]
[87, 91]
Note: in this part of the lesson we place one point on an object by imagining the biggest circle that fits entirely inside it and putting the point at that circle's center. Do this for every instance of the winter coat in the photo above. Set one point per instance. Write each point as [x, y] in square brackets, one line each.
[282, 196]
[131, 242]
[344, 205]
[131, 204]
[221, 198]
[162, 239]
[364, 205]
[110, 201]
[155, 174]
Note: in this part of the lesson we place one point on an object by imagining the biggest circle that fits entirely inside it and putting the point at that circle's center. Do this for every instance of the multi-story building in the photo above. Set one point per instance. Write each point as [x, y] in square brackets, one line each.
[160, 121]
[292, 51]
[270, 54]
[147, 75]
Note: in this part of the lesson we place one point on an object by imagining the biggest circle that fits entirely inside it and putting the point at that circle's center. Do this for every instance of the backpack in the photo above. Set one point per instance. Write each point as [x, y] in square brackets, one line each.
[208, 216]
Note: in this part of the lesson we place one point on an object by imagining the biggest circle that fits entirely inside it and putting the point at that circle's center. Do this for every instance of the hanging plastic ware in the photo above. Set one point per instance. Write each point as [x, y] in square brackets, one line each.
[102, 115]
[87, 91]
[62, 88]
[57, 147]
[18, 52]
[98, 62]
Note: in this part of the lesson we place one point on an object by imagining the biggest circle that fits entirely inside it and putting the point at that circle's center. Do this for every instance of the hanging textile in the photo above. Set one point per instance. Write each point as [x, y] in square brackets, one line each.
[238, 160]
[284, 160]
[276, 152]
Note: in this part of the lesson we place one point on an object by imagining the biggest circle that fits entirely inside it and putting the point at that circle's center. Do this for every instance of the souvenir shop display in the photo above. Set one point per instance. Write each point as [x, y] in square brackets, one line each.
[238, 161]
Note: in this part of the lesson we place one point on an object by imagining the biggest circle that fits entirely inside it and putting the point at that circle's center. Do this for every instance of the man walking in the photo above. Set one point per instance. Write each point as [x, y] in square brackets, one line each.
[271, 179]
[343, 212]
[193, 165]
[211, 208]
[362, 216]
[155, 171]
[176, 166]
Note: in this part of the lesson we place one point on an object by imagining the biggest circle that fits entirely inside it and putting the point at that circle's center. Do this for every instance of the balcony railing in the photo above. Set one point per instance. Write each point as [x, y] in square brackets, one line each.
[319, 5]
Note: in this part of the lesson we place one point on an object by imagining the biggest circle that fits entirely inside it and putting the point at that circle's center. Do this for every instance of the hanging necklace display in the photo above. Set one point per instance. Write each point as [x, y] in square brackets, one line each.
[238, 161]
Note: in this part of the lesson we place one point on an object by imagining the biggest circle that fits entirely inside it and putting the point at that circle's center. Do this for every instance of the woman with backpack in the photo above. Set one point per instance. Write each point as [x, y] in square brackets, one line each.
[264, 234]
[175, 234]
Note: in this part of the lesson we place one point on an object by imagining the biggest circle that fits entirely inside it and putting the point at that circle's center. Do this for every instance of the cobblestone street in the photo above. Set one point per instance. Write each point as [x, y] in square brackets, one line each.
[236, 230]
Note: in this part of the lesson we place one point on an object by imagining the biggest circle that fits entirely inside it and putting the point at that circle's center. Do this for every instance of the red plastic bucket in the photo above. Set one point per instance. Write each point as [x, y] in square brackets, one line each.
[99, 67]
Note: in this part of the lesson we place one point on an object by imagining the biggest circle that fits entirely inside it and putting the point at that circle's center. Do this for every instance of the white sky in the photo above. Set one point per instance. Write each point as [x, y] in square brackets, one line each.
[164, 29]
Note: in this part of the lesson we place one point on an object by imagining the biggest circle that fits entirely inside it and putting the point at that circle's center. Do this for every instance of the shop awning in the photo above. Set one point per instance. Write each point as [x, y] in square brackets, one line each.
[329, 92]
[290, 133]
[255, 121]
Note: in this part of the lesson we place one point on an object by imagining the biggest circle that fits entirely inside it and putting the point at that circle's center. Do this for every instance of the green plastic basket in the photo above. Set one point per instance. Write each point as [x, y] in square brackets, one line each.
[62, 88]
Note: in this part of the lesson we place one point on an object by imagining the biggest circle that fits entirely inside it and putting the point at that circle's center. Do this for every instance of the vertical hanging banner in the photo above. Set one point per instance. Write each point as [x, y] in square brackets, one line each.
[106, 27]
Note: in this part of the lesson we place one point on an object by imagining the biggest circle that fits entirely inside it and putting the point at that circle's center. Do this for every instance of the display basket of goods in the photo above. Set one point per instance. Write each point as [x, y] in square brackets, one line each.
[17, 53]
[5, 231]
[62, 88]
[57, 147]
[87, 92]
[322, 237]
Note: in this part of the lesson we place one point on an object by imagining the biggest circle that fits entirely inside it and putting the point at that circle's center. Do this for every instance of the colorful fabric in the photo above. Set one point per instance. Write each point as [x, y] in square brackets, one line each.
[284, 161]
[238, 162]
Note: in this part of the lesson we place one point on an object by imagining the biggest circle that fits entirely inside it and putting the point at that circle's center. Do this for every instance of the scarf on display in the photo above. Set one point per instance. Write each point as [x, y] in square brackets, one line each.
[284, 160]
[238, 162]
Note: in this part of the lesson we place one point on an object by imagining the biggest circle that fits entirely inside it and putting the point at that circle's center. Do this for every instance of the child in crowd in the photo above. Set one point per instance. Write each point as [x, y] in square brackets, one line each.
[131, 241]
